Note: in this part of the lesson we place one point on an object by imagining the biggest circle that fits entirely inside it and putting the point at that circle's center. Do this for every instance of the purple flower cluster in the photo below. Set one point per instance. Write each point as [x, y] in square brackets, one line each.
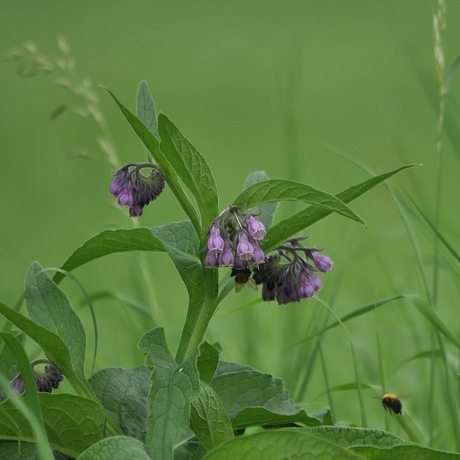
[136, 190]
[289, 276]
[46, 381]
[234, 240]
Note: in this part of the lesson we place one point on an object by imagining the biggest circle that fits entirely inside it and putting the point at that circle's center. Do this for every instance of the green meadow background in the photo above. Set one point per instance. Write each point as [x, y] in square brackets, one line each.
[327, 93]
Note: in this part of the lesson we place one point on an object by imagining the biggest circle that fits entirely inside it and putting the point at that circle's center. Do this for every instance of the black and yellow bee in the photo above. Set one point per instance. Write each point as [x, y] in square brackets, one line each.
[243, 278]
[392, 404]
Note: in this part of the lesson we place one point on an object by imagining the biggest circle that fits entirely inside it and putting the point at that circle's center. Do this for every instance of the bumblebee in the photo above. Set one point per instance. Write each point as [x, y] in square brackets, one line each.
[392, 404]
[243, 278]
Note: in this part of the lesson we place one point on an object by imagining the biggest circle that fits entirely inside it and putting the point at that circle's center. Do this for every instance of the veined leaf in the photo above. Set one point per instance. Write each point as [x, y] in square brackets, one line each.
[72, 423]
[116, 448]
[123, 393]
[208, 418]
[274, 190]
[300, 221]
[279, 444]
[252, 398]
[48, 307]
[191, 167]
[173, 388]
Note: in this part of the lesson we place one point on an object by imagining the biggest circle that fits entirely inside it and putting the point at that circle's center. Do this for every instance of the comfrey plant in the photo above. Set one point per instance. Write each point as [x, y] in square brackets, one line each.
[192, 405]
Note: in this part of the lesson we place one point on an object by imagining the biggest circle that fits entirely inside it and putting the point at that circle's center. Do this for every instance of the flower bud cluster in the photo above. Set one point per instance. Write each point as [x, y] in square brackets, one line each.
[46, 381]
[289, 276]
[234, 240]
[136, 190]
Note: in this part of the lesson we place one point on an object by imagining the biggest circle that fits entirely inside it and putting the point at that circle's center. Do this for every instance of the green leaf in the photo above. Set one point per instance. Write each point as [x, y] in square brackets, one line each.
[407, 452]
[14, 451]
[123, 393]
[208, 418]
[48, 306]
[325, 442]
[191, 167]
[288, 228]
[207, 361]
[266, 211]
[116, 448]
[145, 109]
[252, 398]
[72, 423]
[110, 242]
[153, 146]
[279, 444]
[274, 190]
[173, 388]
[180, 235]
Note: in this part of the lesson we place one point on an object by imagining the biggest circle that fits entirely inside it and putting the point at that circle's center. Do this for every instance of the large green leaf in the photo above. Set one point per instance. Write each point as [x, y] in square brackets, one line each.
[171, 176]
[325, 442]
[173, 388]
[72, 423]
[280, 445]
[208, 418]
[116, 448]
[290, 227]
[274, 190]
[48, 306]
[253, 398]
[179, 235]
[110, 242]
[123, 393]
[191, 167]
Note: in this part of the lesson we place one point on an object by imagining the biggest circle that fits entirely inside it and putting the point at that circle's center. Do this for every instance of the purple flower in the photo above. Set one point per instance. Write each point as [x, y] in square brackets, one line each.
[258, 256]
[211, 260]
[136, 190]
[306, 288]
[215, 243]
[135, 210]
[322, 263]
[226, 259]
[244, 250]
[45, 381]
[256, 228]
[126, 197]
[316, 282]
[120, 176]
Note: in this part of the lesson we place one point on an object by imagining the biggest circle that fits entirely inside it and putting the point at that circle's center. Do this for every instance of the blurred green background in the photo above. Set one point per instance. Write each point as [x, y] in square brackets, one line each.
[284, 87]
